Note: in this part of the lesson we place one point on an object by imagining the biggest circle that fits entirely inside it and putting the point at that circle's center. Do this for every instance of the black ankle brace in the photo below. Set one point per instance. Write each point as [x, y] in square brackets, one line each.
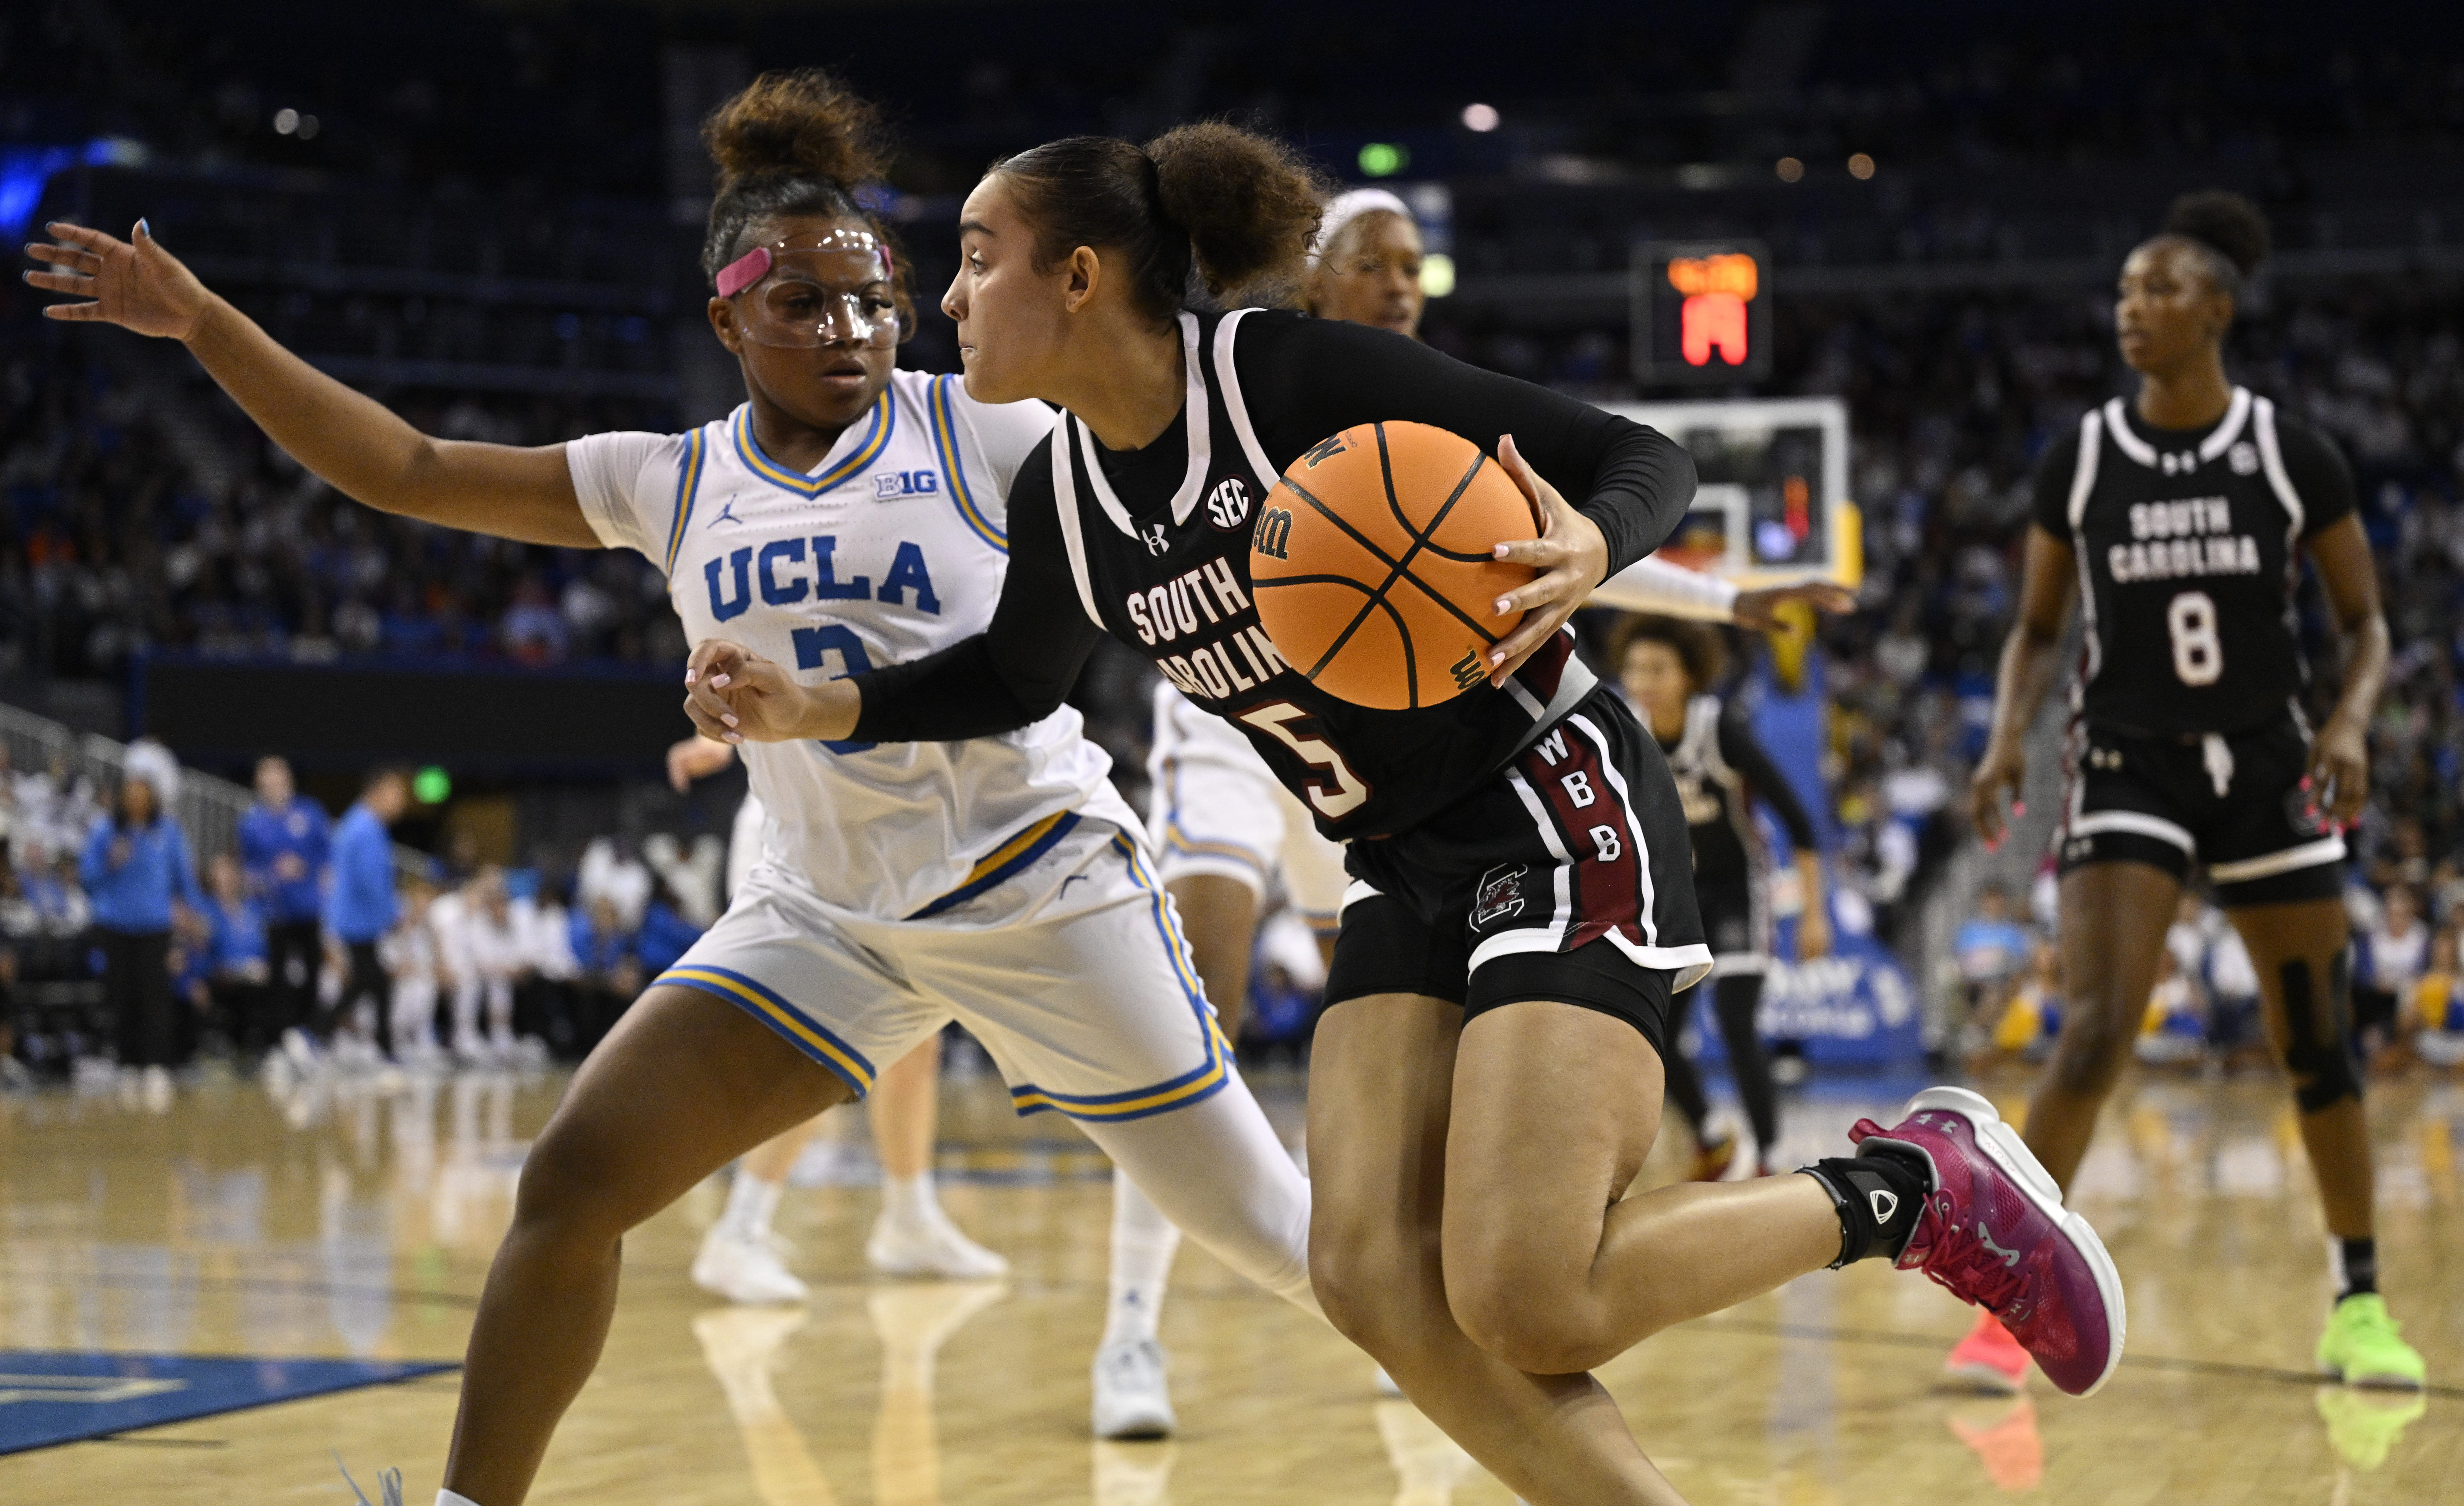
[1877, 1196]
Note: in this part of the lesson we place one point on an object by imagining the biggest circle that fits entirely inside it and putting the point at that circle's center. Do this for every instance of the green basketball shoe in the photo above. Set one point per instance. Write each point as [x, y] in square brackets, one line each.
[2362, 1347]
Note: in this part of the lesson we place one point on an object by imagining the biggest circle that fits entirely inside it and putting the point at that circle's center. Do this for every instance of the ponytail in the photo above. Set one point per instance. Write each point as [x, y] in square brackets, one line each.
[1203, 214]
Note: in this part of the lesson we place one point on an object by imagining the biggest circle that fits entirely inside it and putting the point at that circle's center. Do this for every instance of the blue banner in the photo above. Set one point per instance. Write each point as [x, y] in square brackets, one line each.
[1853, 1008]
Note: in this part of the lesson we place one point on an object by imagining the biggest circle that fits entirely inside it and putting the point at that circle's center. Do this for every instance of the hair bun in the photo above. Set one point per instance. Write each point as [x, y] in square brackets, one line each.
[2225, 223]
[798, 122]
[1248, 204]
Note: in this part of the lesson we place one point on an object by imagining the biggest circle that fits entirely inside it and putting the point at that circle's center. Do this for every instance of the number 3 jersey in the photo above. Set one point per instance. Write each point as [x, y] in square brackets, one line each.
[894, 547]
[2186, 544]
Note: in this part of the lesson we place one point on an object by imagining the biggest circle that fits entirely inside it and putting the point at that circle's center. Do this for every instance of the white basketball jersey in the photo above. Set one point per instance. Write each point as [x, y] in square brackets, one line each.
[894, 547]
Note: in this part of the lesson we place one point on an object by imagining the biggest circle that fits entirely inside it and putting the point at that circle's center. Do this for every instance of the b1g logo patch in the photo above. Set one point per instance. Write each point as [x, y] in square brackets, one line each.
[1227, 506]
[890, 486]
[1499, 894]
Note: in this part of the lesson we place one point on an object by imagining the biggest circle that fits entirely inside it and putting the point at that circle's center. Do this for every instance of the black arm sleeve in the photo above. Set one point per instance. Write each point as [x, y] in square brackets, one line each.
[1324, 376]
[1745, 753]
[2051, 507]
[2318, 474]
[1019, 667]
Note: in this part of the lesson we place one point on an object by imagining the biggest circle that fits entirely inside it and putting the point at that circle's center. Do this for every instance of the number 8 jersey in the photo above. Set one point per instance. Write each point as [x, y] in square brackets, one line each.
[2186, 540]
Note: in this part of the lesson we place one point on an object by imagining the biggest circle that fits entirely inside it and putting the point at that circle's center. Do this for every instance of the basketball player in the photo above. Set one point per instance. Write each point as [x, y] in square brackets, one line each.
[846, 515]
[1487, 1080]
[1668, 669]
[1226, 827]
[740, 1257]
[2181, 517]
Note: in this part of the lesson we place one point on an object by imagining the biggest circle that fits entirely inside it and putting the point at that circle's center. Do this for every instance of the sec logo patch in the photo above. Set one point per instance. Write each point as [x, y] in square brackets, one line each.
[1227, 506]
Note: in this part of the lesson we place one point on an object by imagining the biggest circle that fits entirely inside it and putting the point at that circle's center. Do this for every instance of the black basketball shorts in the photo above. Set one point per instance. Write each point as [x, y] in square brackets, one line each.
[1565, 876]
[1737, 918]
[2231, 802]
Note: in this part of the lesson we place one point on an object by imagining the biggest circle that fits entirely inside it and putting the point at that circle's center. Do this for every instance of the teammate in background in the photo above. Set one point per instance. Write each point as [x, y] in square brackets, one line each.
[740, 1258]
[1487, 1080]
[283, 844]
[2183, 515]
[409, 953]
[1668, 669]
[1227, 828]
[846, 515]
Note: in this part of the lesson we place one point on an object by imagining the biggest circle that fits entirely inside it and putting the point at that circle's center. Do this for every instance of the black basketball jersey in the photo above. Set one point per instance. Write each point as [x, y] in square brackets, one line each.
[1721, 771]
[1173, 583]
[2187, 552]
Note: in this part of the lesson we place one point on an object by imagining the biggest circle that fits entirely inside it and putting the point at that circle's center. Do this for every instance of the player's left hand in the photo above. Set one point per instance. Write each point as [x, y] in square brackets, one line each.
[2340, 772]
[1758, 609]
[1570, 555]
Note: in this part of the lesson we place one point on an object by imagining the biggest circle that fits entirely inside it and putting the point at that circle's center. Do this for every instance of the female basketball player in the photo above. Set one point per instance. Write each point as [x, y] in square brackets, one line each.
[1667, 670]
[1487, 1080]
[1226, 827]
[847, 513]
[2181, 515]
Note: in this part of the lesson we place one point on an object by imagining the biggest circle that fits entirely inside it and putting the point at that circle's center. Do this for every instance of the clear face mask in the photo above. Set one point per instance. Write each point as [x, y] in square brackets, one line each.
[831, 288]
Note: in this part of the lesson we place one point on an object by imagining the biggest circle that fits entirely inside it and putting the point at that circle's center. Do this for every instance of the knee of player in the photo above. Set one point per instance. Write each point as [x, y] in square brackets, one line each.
[1366, 1287]
[571, 1188]
[1526, 1322]
[2094, 1046]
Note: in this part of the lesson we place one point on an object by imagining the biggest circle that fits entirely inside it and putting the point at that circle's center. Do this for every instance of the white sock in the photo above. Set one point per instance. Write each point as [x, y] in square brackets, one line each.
[909, 1200]
[1143, 1244]
[448, 1498]
[751, 1204]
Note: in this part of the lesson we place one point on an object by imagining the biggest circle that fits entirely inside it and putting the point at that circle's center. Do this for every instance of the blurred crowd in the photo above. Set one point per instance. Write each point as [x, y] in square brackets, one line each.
[310, 946]
[2203, 1011]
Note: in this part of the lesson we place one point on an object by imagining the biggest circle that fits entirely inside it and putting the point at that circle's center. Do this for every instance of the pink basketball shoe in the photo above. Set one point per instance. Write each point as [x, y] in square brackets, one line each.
[1994, 1234]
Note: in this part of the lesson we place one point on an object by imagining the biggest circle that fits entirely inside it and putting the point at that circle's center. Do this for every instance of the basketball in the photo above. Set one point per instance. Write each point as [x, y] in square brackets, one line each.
[1372, 563]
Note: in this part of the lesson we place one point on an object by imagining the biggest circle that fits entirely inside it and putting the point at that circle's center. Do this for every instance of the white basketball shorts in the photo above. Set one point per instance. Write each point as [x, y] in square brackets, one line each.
[1218, 810]
[1060, 955]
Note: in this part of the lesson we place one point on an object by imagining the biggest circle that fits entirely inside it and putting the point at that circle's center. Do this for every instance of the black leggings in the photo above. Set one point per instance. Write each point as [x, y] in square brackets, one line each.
[137, 986]
[1734, 999]
[294, 951]
[367, 980]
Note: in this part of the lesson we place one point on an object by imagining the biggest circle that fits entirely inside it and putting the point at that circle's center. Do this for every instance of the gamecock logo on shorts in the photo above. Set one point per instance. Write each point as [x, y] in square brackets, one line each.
[1499, 894]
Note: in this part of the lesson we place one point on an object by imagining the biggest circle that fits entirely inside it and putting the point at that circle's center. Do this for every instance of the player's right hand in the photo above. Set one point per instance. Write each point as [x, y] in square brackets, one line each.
[135, 283]
[1994, 789]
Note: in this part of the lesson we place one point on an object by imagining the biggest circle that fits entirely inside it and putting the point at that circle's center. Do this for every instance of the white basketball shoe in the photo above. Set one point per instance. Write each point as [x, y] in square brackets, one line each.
[745, 1268]
[1131, 1397]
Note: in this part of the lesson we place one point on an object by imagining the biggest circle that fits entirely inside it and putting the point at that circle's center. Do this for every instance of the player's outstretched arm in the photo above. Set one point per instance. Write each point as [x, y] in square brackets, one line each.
[2339, 757]
[353, 443]
[2030, 658]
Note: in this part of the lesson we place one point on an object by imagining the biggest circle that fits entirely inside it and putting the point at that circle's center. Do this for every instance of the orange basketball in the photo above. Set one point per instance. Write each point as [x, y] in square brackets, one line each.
[1370, 563]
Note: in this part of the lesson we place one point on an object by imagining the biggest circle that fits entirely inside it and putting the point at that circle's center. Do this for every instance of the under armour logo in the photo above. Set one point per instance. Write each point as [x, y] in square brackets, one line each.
[1885, 1202]
[2010, 1257]
[726, 515]
[1153, 537]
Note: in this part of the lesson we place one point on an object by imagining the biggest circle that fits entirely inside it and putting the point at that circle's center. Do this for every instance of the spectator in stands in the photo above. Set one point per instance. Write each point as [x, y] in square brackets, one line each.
[2394, 953]
[609, 975]
[612, 868]
[1990, 948]
[2174, 1030]
[360, 907]
[2436, 1016]
[235, 955]
[138, 872]
[665, 933]
[283, 842]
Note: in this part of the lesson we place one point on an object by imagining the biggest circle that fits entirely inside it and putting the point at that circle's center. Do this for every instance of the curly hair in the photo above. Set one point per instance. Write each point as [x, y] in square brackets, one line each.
[796, 141]
[1697, 646]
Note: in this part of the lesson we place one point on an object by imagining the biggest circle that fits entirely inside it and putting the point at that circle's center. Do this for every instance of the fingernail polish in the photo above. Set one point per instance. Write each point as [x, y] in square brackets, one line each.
[733, 737]
[718, 680]
[2018, 807]
[1504, 606]
[145, 230]
[689, 677]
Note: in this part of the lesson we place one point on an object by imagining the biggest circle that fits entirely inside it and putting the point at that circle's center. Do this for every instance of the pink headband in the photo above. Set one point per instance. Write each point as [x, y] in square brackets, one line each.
[755, 265]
